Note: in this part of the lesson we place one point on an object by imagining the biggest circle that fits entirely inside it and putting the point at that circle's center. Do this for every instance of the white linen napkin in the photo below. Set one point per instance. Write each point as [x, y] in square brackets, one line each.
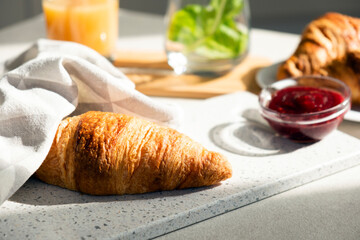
[49, 81]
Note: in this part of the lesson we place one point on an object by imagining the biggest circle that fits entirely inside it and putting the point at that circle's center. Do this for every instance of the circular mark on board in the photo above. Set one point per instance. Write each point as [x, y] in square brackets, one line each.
[250, 139]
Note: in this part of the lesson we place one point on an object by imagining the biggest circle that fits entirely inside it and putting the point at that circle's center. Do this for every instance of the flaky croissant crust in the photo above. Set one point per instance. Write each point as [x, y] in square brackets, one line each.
[107, 153]
[329, 46]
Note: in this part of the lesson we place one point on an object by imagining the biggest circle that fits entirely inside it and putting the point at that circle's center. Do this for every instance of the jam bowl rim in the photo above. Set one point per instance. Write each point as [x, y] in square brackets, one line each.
[303, 118]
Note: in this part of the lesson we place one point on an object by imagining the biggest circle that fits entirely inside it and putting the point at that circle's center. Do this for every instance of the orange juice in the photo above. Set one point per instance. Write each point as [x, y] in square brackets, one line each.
[93, 23]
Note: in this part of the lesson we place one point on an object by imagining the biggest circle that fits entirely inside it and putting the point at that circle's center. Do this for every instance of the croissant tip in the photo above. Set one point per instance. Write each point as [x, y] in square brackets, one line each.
[223, 166]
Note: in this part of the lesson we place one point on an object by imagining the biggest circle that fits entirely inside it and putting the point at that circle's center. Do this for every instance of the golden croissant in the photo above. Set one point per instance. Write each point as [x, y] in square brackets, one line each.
[107, 153]
[329, 46]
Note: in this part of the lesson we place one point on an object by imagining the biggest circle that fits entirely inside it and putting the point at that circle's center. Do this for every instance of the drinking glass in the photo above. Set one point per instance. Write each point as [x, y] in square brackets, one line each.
[93, 23]
[206, 36]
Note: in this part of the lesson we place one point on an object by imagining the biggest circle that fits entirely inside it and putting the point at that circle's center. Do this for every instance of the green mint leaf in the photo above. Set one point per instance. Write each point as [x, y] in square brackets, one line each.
[212, 49]
[226, 42]
[209, 31]
[188, 25]
[231, 7]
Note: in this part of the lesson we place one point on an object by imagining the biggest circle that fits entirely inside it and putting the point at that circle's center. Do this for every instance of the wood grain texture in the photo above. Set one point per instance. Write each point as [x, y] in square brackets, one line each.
[159, 79]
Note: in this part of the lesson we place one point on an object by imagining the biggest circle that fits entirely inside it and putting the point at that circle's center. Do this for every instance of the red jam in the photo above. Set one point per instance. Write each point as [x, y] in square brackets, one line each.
[299, 102]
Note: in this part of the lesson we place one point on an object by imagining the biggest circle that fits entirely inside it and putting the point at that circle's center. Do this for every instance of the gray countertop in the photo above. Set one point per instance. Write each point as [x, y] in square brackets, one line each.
[325, 209]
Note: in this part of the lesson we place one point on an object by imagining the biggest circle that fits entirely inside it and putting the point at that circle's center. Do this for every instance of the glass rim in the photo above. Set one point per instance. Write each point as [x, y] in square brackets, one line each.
[329, 113]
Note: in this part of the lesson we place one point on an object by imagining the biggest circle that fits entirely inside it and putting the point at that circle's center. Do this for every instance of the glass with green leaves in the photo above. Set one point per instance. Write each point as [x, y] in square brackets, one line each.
[207, 36]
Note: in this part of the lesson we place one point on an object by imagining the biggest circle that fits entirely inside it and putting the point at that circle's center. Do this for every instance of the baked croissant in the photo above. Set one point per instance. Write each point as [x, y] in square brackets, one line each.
[107, 153]
[330, 46]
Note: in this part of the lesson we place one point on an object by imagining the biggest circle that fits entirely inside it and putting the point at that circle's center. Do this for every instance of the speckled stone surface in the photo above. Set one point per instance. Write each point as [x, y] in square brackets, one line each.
[263, 165]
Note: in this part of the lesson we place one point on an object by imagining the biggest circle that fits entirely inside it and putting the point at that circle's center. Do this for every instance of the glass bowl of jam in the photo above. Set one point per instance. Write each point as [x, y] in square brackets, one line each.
[305, 109]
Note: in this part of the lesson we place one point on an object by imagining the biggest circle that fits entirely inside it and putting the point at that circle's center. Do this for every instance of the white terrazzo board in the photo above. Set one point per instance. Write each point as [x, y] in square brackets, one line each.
[42, 211]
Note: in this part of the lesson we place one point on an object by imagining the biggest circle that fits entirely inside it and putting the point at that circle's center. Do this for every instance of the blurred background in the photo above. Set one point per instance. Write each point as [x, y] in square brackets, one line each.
[283, 15]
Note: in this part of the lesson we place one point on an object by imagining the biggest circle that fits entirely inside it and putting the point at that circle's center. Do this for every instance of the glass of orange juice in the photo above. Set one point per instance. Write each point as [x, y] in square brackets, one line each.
[93, 23]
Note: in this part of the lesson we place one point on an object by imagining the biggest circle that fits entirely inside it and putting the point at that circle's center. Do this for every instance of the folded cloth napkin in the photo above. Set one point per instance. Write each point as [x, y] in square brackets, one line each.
[52, 80]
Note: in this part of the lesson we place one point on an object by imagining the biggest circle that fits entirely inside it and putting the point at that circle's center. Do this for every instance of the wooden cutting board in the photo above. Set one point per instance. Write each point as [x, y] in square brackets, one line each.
[154, 77]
